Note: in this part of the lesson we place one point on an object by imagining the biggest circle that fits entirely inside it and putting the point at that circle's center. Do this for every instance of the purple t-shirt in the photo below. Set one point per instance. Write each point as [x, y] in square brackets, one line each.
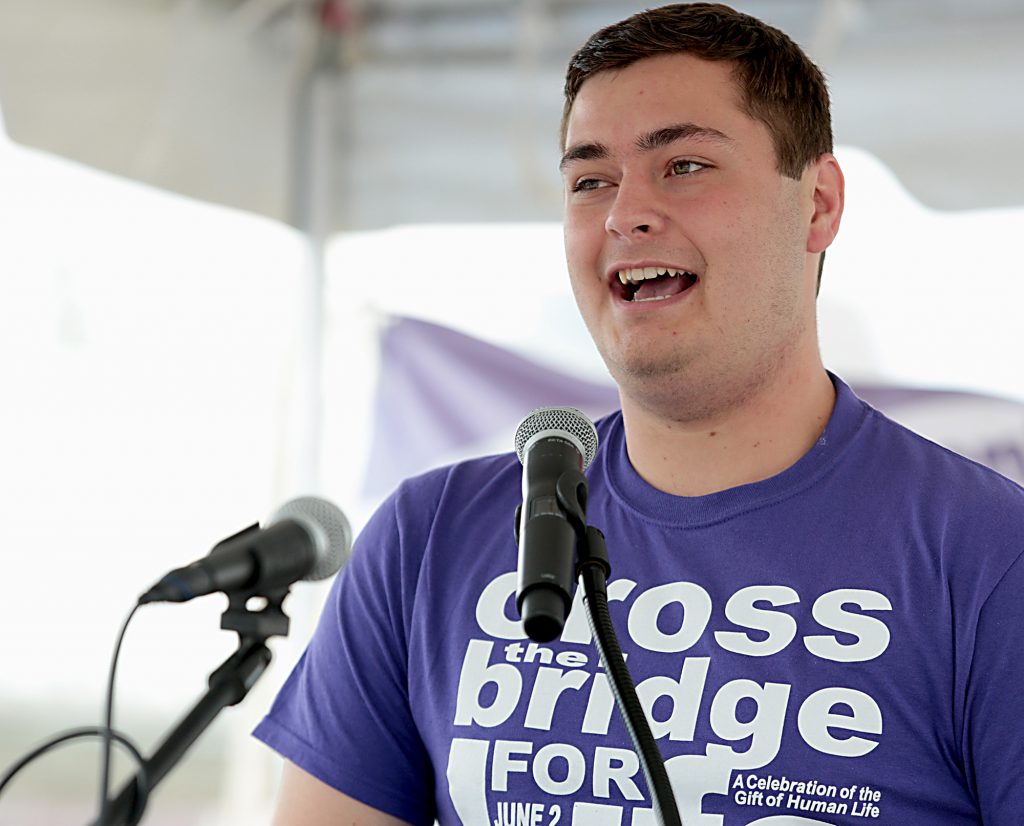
[839, 644]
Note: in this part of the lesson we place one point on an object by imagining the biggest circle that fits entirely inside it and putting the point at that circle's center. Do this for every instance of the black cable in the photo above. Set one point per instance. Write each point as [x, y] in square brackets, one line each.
[142, 781]
[108, 723]
[663, 798]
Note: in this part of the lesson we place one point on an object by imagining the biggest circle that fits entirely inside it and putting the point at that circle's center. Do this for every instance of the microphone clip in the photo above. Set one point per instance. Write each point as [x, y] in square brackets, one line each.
[571, 490]
[253, 613]
[592, 552]
[257, 615]
[571, 493]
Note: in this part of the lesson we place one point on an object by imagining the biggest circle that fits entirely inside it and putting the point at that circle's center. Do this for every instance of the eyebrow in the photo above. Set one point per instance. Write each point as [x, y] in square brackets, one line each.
[656, 139]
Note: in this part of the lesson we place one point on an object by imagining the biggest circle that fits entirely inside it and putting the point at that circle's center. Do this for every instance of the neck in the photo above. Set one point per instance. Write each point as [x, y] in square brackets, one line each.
[756, 438]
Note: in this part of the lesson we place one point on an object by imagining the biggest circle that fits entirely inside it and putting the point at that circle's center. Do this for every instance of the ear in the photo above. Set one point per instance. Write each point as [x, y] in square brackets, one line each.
[828, 195]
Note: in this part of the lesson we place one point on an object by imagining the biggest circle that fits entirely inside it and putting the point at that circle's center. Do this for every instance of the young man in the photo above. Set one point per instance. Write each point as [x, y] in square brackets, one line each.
[821, 610]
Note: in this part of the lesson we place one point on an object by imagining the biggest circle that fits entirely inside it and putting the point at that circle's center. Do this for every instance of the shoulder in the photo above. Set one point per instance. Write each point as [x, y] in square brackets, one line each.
[468, 481]
[930, 467]
[435, 508]
[970, 516]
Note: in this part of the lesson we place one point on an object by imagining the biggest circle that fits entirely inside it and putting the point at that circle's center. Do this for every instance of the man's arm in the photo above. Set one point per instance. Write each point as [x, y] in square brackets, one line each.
[994, 750]
[306, 801]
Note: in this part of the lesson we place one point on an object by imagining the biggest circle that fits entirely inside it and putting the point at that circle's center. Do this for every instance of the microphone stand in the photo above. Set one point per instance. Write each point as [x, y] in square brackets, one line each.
[592, 571]
[228, 685]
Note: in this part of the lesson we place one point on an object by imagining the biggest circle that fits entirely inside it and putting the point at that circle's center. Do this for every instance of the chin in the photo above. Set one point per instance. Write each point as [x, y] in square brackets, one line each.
[680, 390]
[645, 367]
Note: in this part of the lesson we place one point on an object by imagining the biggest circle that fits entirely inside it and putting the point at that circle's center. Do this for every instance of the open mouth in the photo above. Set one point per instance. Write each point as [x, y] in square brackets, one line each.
[641, 284]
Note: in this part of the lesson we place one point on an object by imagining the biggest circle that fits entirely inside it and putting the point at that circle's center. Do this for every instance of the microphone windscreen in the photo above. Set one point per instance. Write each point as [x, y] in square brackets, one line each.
[329, 528]
[565, 421]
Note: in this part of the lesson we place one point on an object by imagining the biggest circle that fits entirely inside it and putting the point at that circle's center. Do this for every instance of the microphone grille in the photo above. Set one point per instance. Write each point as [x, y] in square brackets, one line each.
[567, 420]
[329, 527]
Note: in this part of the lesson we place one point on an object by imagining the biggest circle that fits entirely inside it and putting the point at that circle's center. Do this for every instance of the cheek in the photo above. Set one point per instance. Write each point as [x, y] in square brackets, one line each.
[580, 237]
[584, 291]
[582, 254]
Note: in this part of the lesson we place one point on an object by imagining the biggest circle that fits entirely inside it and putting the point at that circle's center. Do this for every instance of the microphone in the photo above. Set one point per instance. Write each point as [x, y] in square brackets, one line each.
[306, 538]
[555, 445]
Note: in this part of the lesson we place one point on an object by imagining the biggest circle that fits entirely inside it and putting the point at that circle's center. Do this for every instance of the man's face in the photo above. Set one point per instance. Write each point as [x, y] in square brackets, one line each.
[663, 170]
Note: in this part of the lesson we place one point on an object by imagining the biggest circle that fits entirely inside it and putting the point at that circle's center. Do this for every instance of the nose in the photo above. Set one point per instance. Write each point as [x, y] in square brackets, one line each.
[636, 210]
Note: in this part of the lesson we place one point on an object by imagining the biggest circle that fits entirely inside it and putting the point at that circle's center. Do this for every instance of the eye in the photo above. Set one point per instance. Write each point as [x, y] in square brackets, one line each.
[685, 166]
[588, 184]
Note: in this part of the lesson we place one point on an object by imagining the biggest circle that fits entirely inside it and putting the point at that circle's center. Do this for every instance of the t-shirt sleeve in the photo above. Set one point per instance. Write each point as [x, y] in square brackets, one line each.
[343, 715]
[994, 729]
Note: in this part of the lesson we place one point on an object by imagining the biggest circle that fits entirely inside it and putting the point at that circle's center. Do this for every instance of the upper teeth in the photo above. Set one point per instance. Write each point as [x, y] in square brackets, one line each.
[636, 274]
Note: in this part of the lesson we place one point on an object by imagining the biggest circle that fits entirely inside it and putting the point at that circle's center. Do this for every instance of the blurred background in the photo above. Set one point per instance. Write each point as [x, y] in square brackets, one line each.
[252, 249]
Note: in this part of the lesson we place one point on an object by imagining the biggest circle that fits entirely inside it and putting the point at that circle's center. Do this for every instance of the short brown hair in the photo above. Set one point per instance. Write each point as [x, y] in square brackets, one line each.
[778, 83]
